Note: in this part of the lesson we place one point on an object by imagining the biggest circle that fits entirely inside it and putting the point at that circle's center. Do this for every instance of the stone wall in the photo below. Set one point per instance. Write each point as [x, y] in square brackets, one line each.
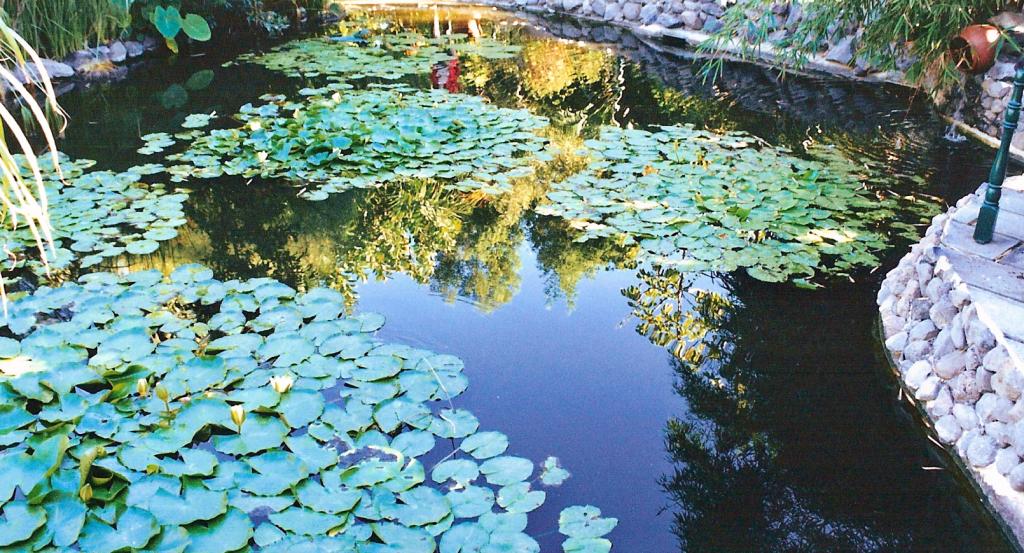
[967, 377]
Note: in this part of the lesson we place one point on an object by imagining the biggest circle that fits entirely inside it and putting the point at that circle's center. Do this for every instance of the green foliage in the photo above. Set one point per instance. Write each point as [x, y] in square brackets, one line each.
[97, 215]
[893, 31]
[696, 201]
[58, 27]
[169, 22]
[123, 387]
[339, 139]
[387, 56]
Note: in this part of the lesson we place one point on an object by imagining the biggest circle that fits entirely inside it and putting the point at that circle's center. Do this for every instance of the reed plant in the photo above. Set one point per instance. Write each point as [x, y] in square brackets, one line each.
[58, 27]
[26, 88]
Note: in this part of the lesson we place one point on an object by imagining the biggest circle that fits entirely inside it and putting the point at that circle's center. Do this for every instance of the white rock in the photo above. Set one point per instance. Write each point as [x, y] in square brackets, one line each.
[998, 360]
[918, 372]
[942, 404]
[964, 388]
[943, 344]
[950, 365]
[1002, 389]
[691, 19]
[1017, 437]
[993, 407]
[999, 431]
[982, 451]
[919, 309]
[929, 389]
[1006, 459]
[1016, 478]
[979, 336]
[897, 342]
[631, 11]
[948, 429]
[942, 312]
[965, 440]
[118, 51]
[966, 416]
[924, 330]
[612, 12]
[917, 351]
[956, 332]
[842, 51]
[959, 295]
[983, 380]
[1017, 412]
[648, 13]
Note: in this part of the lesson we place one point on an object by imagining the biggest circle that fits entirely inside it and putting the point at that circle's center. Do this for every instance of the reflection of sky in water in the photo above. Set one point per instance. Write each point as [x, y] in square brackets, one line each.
[804, 447]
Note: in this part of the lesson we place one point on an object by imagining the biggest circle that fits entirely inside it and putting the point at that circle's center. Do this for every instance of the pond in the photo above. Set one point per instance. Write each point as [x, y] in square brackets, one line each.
[704, 404]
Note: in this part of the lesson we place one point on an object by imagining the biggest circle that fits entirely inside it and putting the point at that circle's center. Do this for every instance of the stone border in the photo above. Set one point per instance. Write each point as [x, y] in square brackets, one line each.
[958, 370]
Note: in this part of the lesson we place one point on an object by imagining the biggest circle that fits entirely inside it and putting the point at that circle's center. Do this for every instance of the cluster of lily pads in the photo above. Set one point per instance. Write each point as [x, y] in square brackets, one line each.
[97, 215]
[388, 56]
[695, 200]
[186, 414]
[338, 139]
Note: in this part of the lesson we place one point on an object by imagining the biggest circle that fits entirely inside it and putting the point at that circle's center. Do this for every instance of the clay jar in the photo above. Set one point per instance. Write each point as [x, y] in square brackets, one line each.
[974, 50]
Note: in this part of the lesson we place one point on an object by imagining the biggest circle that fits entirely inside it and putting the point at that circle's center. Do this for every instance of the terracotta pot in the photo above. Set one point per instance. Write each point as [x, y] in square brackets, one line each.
[975, 49]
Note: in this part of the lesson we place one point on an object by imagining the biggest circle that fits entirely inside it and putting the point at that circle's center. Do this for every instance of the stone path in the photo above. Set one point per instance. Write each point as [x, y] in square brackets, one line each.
[994, 272]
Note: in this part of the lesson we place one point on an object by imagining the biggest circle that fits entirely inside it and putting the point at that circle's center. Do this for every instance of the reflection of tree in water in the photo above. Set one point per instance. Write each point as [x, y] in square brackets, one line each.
[789, 443]
[462, 245]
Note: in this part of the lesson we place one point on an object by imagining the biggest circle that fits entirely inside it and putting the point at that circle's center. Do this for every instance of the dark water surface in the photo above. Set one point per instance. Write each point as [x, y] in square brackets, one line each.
[777, 429]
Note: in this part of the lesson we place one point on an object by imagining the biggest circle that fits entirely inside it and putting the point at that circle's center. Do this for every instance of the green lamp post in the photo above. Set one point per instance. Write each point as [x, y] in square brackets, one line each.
[990, 207]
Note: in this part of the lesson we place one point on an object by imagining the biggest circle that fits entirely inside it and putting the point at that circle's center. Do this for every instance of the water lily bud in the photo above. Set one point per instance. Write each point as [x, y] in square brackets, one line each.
[262, 156]
[238, 416]
[142, 387]
[255, 125]
[85, 492]
[162, 393]
[281, 384]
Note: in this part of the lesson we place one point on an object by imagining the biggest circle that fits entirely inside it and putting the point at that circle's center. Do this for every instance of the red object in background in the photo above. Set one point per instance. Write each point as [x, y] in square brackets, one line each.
[976, 48]
[446, 75]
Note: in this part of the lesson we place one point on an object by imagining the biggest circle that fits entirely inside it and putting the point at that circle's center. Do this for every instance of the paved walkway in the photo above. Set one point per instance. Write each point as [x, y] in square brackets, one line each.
[994, 272]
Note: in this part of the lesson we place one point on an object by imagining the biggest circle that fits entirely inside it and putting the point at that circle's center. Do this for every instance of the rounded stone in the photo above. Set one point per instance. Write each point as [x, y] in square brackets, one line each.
[917, 374]
[917, 351]
[929, 389]
[993, 407]
[950, 365]
[897, 342]
[948, 429]
[1016, 478]
[1006, 459]
[942, 312]
[966, 416]
[924, 330]
[942, 404]
[982, 451]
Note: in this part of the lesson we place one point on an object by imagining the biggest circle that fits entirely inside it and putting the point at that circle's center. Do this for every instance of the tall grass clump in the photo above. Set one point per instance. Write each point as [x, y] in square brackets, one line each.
[26, 87]
[58, 27]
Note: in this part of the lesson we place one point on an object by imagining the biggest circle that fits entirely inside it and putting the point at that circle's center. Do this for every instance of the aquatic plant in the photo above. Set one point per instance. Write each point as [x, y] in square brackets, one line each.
[387, 56]
[696, 200]
[339, 139]
[96, 215]
[22, 195]
[58, 27]
[184, 413]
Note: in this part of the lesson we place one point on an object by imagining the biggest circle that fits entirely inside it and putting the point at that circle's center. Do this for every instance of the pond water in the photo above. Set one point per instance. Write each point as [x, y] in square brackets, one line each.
[776, 426]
